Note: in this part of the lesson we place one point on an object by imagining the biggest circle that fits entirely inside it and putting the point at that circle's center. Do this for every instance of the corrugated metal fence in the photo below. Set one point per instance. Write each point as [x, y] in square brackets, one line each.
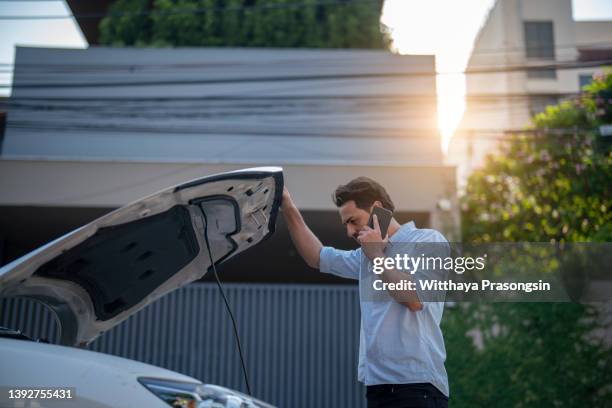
[300, 341]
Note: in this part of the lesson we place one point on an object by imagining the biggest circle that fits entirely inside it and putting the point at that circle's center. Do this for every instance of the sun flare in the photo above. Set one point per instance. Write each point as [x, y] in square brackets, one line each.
[446, 29]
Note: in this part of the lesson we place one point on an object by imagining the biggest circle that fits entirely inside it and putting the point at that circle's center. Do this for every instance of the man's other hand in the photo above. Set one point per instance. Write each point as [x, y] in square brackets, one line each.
[372, 243]
[287, 201]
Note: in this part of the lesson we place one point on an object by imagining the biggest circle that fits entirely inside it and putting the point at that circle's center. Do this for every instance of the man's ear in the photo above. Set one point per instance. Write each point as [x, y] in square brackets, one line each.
[377, 204]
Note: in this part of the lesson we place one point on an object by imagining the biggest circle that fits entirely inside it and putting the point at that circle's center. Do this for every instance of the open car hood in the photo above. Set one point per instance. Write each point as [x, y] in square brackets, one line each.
[95, 277]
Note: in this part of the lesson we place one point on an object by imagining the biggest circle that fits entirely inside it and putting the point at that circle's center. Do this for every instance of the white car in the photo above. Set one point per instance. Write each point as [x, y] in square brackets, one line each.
[100, 274]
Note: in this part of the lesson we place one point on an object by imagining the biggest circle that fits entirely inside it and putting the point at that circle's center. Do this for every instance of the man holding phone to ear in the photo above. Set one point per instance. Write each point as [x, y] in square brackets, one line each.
[401, 348]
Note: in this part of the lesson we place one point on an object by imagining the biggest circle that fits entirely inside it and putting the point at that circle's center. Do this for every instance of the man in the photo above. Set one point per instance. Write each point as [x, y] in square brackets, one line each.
[401, 350]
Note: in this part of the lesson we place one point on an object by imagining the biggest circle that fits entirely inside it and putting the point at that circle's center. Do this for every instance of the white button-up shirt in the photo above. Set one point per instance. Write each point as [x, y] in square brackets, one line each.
[396, 345]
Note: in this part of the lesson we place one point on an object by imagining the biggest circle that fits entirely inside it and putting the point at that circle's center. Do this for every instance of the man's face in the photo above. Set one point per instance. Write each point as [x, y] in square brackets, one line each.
[353, 218]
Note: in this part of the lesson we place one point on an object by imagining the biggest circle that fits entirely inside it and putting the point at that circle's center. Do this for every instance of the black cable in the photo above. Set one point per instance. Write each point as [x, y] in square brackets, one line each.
[138, 103]
[501, 51]
[311, 77]
[227, 306]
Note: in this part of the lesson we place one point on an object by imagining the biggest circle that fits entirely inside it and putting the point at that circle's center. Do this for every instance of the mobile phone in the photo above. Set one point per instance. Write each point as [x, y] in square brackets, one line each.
[384, 219]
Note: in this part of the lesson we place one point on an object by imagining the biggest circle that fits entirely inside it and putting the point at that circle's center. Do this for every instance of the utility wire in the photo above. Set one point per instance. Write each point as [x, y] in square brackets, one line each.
[279, 110]
[295, 78]
[255, 101]
[392, 109]
[506, 50]
[195, 65]
[324, 133]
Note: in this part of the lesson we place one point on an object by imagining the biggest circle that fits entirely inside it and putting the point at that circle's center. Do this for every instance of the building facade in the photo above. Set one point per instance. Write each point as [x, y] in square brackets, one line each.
[91, 130]
[528, 54]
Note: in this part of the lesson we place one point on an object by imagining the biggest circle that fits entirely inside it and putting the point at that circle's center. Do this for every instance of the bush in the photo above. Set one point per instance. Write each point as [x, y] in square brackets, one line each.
[550, 184]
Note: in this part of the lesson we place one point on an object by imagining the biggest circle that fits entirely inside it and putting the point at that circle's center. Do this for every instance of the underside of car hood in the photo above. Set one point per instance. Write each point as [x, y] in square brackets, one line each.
[98, 275]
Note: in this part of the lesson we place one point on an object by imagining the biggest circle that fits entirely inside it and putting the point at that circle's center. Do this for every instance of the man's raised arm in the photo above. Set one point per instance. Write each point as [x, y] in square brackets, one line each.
[306, 242]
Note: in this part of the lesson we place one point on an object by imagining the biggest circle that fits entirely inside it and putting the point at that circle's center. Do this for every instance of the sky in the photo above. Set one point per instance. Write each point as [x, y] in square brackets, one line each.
[418, 27]
[445, 28]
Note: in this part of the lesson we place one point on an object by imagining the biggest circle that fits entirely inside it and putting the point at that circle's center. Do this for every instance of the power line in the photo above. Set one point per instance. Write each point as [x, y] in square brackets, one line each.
[216, 108]
[426, 133]
[556, 65]
[504, 50]
[196, 65]
[201, 10]
[264, 97]
[295, 78]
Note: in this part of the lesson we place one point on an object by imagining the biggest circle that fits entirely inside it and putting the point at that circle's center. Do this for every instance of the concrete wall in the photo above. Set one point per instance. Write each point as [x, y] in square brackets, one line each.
[500, 101]
[503, 32]
[101, 127]
[587, 31]
[113, 184]
[229, 105]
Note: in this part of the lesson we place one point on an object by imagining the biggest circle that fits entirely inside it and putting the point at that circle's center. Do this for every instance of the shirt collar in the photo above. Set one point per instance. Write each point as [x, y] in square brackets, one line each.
[409, 226]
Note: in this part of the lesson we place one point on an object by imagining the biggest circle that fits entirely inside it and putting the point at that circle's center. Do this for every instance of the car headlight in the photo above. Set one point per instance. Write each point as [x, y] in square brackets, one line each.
[190, 395]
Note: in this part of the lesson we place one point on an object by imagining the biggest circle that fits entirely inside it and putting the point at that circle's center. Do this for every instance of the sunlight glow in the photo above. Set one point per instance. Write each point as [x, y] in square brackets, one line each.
[446, 29]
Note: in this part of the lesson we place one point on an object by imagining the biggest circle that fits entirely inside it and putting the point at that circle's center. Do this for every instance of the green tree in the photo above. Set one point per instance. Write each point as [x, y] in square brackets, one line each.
[132, 29]
[550, 184]
[247, 23]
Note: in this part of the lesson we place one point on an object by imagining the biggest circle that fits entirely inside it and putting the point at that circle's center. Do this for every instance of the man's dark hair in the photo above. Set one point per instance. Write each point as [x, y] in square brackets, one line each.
[364, 191]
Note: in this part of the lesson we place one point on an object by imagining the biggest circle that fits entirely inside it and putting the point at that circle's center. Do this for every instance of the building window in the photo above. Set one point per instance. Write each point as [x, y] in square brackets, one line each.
[538, 103]
[540, 46]
[537, 73]
[584, 80]
[539, 40]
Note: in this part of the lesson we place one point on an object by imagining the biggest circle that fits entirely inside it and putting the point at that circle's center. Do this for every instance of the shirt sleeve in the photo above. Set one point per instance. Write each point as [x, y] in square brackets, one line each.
[340, 263]
[431, 244]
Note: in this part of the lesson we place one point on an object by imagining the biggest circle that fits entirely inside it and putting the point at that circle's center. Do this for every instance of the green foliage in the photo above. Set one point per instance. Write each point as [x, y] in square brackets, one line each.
[552, 186]
[245, 23]
[544, 186]
[528, 355]
[126, 30]
[598, 98]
